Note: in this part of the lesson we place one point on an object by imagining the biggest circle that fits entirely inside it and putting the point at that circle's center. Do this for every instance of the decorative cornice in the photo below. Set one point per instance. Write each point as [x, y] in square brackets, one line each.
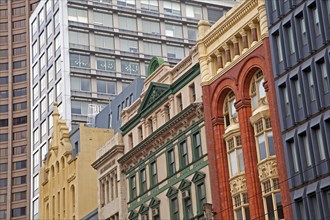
[234, 16]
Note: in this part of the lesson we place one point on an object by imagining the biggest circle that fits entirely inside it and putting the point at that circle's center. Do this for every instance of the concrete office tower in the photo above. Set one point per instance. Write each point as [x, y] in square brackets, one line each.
[14, 108]
[299, 33]
[83, 53]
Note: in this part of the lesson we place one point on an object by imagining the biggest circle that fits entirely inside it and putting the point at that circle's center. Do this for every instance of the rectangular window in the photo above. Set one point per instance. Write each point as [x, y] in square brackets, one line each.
[150, 5]
[175, 52]
[20, 120]
[130, 46]
[315, 211]
[108, 87]
[286, 101]
[127, 23]
[143, 181]
[184, 154]
[19, 150]
[153, 173]
[262, 147]
[197, 145]
[19, 51]
[316, 20]
[19, 92]
[19, 180]
[294, 157]
[192, 33]
[175, 208]
[307, 151]
[325, 77]
[298, 94]
[19, 64]
[303, 30]
[78, 15]
[19, 165]
[102, 19]
[179, 103]
[126, 3]
[172, 30]
[279, 48]
[133, 187]
[171, 162]
[19, 196]
[104, 41]
[105, 64]
[17, 212]
[130, 67]
[201, 195]
[80, 108]
[311, 85]
[151, 27]
[79, 60]
[320, 143]
[19, 78]
[153, 49]
[194, 12]
[172, 8]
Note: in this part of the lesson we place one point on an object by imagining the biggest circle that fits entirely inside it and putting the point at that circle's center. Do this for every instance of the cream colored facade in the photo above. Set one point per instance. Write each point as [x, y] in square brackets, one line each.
[68, 183]
[165, 156]
[111, 182]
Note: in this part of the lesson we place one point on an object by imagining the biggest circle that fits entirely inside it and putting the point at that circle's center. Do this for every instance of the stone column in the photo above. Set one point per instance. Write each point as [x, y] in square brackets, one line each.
[236, 47]
[262, 19]
[226, 204]
[227, 54]
[245, 43]
[254, 36]
[219, 61]
[243, 108]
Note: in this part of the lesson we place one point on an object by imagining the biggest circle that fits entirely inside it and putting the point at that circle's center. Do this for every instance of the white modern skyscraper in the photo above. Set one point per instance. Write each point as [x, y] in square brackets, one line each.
[84, 52]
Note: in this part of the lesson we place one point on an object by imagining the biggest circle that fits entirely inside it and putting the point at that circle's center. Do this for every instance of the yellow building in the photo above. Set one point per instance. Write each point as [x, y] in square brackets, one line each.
[68, 183]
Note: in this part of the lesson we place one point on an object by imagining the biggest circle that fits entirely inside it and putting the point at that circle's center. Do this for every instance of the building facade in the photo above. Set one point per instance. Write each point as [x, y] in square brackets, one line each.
[14, 108]
[68, 187]
[111, 188]
[110, 116]
[83, 53]
[299, 39]
[165, 161]
[245, 150]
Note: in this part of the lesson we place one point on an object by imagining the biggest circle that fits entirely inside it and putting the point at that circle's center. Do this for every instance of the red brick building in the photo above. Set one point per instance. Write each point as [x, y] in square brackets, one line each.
[244, 139]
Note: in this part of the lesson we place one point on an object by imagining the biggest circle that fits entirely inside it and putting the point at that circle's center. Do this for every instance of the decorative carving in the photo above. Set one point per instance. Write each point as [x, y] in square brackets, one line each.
[267, 169]
[238, 184]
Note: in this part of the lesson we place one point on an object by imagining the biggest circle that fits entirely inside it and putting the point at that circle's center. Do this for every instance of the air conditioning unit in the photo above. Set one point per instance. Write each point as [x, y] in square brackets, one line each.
[155, 212]
[186, 194]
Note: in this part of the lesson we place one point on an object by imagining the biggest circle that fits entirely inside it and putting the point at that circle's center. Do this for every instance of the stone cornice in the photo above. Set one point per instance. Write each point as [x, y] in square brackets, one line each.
[229, 20]
[117, 149]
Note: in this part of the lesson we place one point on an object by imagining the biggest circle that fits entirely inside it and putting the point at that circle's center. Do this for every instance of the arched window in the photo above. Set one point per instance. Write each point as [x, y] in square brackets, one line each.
[73, 199]
[229, 110]
[257, 91]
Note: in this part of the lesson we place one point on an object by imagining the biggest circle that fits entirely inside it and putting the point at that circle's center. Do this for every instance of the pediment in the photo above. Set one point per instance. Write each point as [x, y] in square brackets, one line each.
[184, 184]
[143, 208]
[198, 176]
[154, 94]
[154, 202]
[132, 215]
[172, 191]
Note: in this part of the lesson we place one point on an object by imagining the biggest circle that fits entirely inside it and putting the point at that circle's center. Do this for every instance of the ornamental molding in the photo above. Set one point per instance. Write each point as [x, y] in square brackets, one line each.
[238, 184]
[267, 169]
[231, 19]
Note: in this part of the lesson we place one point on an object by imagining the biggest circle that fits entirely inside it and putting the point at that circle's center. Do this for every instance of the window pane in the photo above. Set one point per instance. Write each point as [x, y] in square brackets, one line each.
[262, 147]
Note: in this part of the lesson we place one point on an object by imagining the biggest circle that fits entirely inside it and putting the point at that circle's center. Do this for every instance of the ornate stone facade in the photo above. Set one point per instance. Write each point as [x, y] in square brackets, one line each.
[242, 127]
[67, 180]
